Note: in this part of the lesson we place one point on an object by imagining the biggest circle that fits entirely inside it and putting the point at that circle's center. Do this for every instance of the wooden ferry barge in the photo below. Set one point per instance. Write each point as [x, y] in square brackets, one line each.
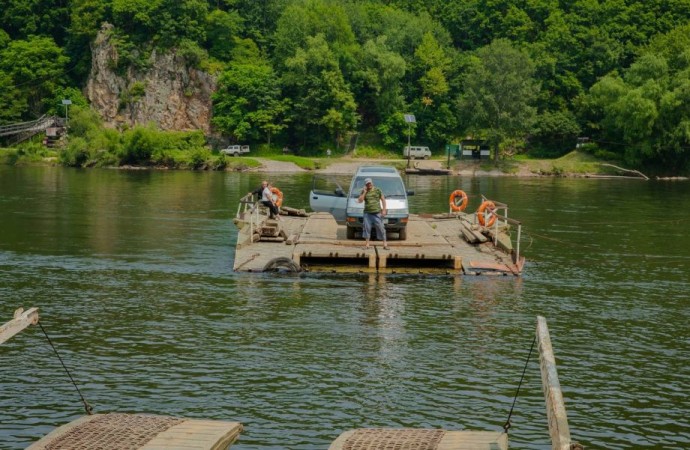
[454, 243]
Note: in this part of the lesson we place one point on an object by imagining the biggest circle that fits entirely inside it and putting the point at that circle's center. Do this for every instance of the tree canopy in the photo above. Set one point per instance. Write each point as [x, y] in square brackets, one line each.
[308, 73]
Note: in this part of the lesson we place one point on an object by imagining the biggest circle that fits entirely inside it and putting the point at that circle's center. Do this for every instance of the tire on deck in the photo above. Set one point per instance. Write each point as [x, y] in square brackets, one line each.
[282, 264]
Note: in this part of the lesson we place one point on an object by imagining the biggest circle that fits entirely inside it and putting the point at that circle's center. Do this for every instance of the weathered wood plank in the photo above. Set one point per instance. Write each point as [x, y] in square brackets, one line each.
[469, 228]
[197, 435]
[474, 440]
[22, 319]
[188, 434]
[451, 440]
[555, 407]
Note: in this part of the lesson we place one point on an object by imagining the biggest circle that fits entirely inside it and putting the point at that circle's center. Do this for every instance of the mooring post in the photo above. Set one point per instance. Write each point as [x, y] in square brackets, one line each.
[555, 407]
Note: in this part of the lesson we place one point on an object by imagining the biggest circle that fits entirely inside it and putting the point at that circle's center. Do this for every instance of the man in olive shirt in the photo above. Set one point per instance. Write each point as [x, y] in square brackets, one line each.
[374, 211]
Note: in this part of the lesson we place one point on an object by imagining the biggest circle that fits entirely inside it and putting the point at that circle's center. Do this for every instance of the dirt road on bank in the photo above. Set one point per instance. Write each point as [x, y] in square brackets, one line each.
[347, 166]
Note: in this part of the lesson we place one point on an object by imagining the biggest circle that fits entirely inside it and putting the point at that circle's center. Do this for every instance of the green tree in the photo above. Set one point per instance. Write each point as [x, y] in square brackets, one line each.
[260, 18]
[53, 105]
[177, 20]
[136, 17]
[247, 102]
[36, 67]
[433, 62]
[302, 20]
[320, 96]
[4, 39]
[85, 19]
[435, 116]
[164, 22]
[222, 29]
[554, 133]
[24, 18]
[644, 115]
[499, 92]
[12, 101]
[378, 77]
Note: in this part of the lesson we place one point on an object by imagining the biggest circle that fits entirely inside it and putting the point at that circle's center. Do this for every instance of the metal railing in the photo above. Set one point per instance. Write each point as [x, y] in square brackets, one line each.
[248, 211]
[503, 220]
[34, 126]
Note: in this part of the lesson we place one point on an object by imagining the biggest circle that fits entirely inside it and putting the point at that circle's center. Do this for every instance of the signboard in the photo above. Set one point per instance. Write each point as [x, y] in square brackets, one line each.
[409, 118]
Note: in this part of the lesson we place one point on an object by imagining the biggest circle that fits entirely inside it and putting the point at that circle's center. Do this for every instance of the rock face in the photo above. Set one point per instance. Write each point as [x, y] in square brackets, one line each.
[166, 92]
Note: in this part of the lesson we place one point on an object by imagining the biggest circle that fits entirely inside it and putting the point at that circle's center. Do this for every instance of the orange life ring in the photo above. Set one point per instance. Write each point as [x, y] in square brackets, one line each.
[277, 196]
[454, 200]
[482, 211]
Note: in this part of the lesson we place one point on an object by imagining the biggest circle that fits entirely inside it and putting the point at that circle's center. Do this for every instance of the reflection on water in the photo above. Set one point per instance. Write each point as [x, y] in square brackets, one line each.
[132, 271]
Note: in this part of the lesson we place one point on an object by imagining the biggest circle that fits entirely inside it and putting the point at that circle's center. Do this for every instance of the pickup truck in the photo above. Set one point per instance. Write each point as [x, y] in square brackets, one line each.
[235, 150]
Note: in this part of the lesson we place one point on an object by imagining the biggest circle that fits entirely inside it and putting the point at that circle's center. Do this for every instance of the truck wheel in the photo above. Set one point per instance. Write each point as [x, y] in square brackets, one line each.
[350, 232]
[402, 234]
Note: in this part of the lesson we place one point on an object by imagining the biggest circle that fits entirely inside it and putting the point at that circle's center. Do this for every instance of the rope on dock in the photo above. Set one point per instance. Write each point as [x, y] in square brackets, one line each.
[506, 426]
[88, 408]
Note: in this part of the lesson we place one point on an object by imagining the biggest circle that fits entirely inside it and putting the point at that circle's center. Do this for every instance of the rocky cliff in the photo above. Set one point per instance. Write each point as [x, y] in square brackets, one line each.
[166, 92]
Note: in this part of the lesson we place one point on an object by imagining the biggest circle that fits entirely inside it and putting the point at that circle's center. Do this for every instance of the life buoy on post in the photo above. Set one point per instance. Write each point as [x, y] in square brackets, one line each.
[460, 196]
[277, 196]
[486, 209]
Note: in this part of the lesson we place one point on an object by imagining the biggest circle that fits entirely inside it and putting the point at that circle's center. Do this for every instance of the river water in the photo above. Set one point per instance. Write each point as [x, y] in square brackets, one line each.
[132, 271]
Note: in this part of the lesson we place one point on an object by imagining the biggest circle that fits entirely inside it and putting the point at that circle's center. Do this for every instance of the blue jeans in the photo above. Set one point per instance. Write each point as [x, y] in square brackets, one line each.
[377, 220]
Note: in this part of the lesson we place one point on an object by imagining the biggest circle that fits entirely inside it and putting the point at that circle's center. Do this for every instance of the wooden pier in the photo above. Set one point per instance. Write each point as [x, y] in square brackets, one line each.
[443, 243]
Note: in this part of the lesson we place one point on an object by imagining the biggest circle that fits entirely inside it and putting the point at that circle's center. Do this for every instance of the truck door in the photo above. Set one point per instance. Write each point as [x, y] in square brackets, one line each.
[328, 195]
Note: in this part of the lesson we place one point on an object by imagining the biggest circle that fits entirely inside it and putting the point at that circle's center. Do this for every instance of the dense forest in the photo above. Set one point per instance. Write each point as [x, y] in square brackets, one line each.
[530, 76]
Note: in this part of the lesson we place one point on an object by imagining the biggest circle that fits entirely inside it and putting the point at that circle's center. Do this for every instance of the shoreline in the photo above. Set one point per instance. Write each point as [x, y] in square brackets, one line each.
[348, 166]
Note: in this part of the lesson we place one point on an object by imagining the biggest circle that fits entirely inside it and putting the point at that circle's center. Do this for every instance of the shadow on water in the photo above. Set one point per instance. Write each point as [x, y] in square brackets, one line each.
[132, 271]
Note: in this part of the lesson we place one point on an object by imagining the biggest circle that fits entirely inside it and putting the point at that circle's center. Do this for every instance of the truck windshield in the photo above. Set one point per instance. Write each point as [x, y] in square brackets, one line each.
[391, 187]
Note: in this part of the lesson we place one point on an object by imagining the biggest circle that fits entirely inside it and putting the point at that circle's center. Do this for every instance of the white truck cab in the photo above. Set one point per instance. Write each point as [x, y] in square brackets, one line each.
[329, 196]
[235, 150]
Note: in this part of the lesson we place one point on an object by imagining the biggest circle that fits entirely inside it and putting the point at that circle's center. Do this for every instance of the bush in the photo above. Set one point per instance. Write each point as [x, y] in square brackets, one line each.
[28, 152]
[192, 53]
[200, 158]
[76, 154]
[554, 134]
[9, 156]
[139, 145]
[84, 122]
[600, 153]
[376, 153]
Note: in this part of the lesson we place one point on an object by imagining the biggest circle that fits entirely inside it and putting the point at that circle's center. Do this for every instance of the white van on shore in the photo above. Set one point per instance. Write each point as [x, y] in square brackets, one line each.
[416, 152]
[235, 150]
